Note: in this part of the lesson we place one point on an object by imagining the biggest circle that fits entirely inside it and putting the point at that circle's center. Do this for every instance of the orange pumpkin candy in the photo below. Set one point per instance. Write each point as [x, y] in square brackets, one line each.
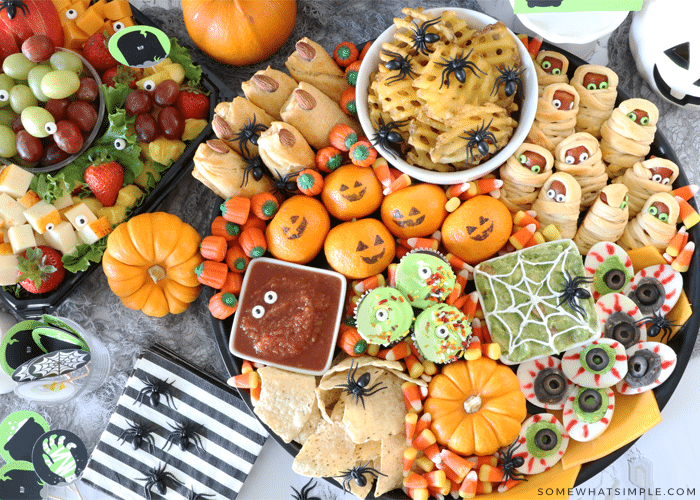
[417, 210]
[296, 232]
[359, 249]
[477, 229]
[351, 192]
[476, 406]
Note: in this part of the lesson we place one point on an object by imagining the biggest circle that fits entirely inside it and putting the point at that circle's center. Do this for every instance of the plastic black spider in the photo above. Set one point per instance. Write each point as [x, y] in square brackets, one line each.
[659, 325]
[510, 79]
[182, 434]
[12, 6]
[253, 165]
[400, 63]
[249, 133]
[157, 478]
[478, 137]
[137, 434]
[387, 133]
[357, 388]
[421, 38]
[285, 184]
[573, 291]
[305, 491]
[457, 66]
[191, 495]
[510, 463]
[358, 474]
[155, 388]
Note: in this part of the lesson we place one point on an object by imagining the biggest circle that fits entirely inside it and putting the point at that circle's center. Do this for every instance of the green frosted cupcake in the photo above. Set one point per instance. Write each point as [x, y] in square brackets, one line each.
[425, 278]
[383, 316]
[441, 333]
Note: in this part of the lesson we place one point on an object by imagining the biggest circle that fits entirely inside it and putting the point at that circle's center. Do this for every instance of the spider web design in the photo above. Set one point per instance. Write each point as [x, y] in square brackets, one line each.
[532, 304]
[59, 363]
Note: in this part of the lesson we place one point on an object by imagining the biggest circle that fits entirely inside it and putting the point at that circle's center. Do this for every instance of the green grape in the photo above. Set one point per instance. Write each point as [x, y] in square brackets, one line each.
[6, 117]
[60, 84]
[34, 81]
[17, 66]
[21, 96]
[7, 142]
[6, 84]
[66, 61]
[38, 122]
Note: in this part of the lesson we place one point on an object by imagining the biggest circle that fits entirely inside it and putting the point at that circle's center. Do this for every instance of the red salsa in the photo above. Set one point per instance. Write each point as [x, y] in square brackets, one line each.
[287, 315]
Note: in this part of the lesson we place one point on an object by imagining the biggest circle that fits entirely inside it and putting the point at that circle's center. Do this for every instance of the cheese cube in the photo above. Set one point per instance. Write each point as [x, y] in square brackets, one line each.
[29, 199]
[64, 201]
[14, 180]
[42, 216]
[80, 216]
[95, 230]
[11, 210]
[62, 238]
[116, 9]
[8, 270]
[40, 239]
[21, 238]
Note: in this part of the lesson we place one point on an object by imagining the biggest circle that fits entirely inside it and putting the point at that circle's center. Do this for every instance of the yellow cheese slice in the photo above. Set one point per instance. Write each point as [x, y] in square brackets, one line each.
[553, 484]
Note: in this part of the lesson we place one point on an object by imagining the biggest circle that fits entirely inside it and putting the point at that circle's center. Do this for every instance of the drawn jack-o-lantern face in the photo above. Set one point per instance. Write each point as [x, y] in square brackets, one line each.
[414, 211]
[557, 191]
[482, 231]
[360, 248]
[294, 230]
[376, 251]
[351, 192]
[577, 155]
[355, 194]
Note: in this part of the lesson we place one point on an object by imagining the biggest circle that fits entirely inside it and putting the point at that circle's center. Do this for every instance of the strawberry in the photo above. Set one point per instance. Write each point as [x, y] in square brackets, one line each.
[105, 180]
[119, 74]
[193, 105]
[40, 269]
[96, 52]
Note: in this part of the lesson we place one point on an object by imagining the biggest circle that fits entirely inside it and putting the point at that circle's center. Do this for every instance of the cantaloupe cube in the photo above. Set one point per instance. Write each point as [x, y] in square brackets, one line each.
[85, 3]
[29, 199]
[95, 230]
[142, 179]
[99, 7]
[73, 36]
[116, 214]
[122, 23]
[14, 180]
[90, 21]
[63, 201]
[21, 238]
[129, 195]
[8, 267]
[117, 9]
[80, 215]
[107, 27]
[61, 4]
[6, 248]
[63, 238]
[71, 13]
[42, 216]
[11, 210]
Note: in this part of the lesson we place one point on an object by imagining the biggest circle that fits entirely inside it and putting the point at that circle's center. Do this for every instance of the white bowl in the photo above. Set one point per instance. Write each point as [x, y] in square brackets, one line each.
[527, 113]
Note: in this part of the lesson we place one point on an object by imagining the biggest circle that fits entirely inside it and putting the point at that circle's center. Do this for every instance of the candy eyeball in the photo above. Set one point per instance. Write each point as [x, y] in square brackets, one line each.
[620, 319]
[149, 85]
[118, 26]
[610, 267]
[442, 331]
[50, 128]
[599, 364]
[4, 95]
[257, 312]
[49, 227]
[543, 383]
[556, 103]
[588, 412]
[270, 297]
[71, 14]
[119, 144]
[424, 272]
[649, 365]
[81, 221]
[382, 314]
[542, 442]
[660, 179]
[655, 289]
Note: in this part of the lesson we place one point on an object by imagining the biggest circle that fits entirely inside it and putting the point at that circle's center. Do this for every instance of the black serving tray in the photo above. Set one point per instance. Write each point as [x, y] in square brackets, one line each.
[682, 343]
[30, 307]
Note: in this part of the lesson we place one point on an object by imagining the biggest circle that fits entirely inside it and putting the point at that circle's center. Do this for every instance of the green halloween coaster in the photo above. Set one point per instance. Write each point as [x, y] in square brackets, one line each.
[18, 433]
[51, 339]
[18, 481]
[18, 346]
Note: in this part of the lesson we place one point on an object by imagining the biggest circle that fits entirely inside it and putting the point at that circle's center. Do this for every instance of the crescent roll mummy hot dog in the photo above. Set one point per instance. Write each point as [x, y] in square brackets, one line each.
[597, 87]
[558, 203]
[551, 67]
[556, 115]
[628, 134]
[523, 174]
[655, 175]
[580, 155]
[606, 219]
[654, 225]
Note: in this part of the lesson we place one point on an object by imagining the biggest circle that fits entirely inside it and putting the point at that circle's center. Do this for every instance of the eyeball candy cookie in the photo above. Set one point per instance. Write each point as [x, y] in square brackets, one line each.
[655, 289]
[542, 442]
[359, 249]
[588, 412]
[543, 383]
[609, 266]
[621, 319]
[414, 211]
[383, 316]
[441, 333]
[600, 364]
[649, 365]
[425, 278]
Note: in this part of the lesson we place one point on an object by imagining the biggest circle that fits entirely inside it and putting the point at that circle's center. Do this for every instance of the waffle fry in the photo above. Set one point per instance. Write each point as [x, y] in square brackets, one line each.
[423, 134]
[398, 99]
[495, 44]
[415, 19]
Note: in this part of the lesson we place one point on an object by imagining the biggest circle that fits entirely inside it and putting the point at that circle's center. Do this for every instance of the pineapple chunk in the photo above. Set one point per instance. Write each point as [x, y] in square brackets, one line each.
[165, 150]
[62, 238]
[176, 72]
[14, 180]
[129, 195]
[80, 215]
[92, 203]
[145, 151]
[142, 179]
[42, 216]
[115, 214]
[95, 230]
[193, 127]
[8, 269]
[156, 68]
[156, 78]
[21, 237]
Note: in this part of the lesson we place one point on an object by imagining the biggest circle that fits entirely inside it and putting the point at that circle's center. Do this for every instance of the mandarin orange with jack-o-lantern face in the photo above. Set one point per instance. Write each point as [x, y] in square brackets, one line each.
[296, 232]
[351, 192]
[359, 249]
[416, 210]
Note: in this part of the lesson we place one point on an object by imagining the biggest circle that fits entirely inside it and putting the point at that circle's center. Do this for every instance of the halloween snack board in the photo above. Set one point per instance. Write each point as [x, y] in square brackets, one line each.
[32, 306]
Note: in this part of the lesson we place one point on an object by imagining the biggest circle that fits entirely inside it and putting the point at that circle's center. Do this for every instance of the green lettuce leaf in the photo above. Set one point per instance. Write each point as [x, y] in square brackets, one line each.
[181, 56]
[49, 187]
[115, 96]
[84, 254]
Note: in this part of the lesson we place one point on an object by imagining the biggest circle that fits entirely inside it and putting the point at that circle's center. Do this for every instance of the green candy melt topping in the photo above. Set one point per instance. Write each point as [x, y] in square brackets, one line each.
[383, 316]
[441, 333]
[424, 278]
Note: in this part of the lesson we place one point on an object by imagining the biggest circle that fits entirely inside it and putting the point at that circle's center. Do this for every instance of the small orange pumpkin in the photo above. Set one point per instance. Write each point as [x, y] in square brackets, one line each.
[296, 232]
[239, 32]
[359, 249]
[476, 406]
[351, 192]
[417, 210]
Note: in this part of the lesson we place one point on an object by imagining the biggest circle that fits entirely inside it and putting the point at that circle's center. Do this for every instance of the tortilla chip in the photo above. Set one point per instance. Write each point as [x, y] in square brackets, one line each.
[391, 464]
[338, 410]
[406, 377]
[327, 452]
[382, 415]
[310, 426]
[286, 401]
[328, 393]
[368, 451]
[359, 362]
[352, 486]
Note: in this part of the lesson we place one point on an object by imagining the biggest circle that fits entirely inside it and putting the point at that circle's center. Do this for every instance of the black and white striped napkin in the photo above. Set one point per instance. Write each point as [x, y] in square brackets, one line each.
[231, 436]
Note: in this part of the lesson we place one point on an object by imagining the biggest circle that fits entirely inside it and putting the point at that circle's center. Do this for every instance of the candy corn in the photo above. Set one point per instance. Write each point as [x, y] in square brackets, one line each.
[410, 422]
[418, 493]
[413, 243]
[523, 219]
[468, 487]
[478, 461]
[460, 465]
[415, 480]
[452, 204]
[409, 457]
[391, 275]
[491, 350]
[520, 238]
[682, 262]
[424, 463]
[688, 215]
[381, 171]
[401, 182]
[412, 396]
[454, 294]
[246, 380]
[686, 192]
[433, 453]
[507, 485]
[401, 251]
[473, 350]
[534, 46]
[414, 366]
[470, 306]
[246, 366]
[551, 233]
[424, 439]
[423, 423]
[436, 478]
[490, 473]
[396, 352]
[429, 368]
[537, 238]
[456, 190]
[677, 242]
[458, 264]
[369, 283]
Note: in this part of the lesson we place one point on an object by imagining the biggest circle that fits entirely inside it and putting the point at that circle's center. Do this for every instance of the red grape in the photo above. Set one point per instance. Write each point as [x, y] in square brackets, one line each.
[52, 155]
[57, 108]
[68, 137]
[171, 122]
[88, 90]
[29, 148]
[82, 114]
[166, 93]
[17, 124]
[138, 102]
[38, 48]
[146, 127]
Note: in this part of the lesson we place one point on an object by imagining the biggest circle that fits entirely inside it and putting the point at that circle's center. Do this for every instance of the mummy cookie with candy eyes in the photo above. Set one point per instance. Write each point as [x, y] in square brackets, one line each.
[579, 155]
[649, 365]
[550, 67]
[558, 203]
[543, 383]
[588, 412]
[627, 135]
[542, 442]
[599, 364]
[523, 174]
[597, 87]
[648, 177]
[655, 289]
[556, 116]
[621, 319]
[605, 220]
[610, 267]
[654, 225]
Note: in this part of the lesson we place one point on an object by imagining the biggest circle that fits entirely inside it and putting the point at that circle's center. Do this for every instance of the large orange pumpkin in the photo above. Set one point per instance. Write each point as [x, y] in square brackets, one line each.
[239, 32]
[476, 406]
[150, 261]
